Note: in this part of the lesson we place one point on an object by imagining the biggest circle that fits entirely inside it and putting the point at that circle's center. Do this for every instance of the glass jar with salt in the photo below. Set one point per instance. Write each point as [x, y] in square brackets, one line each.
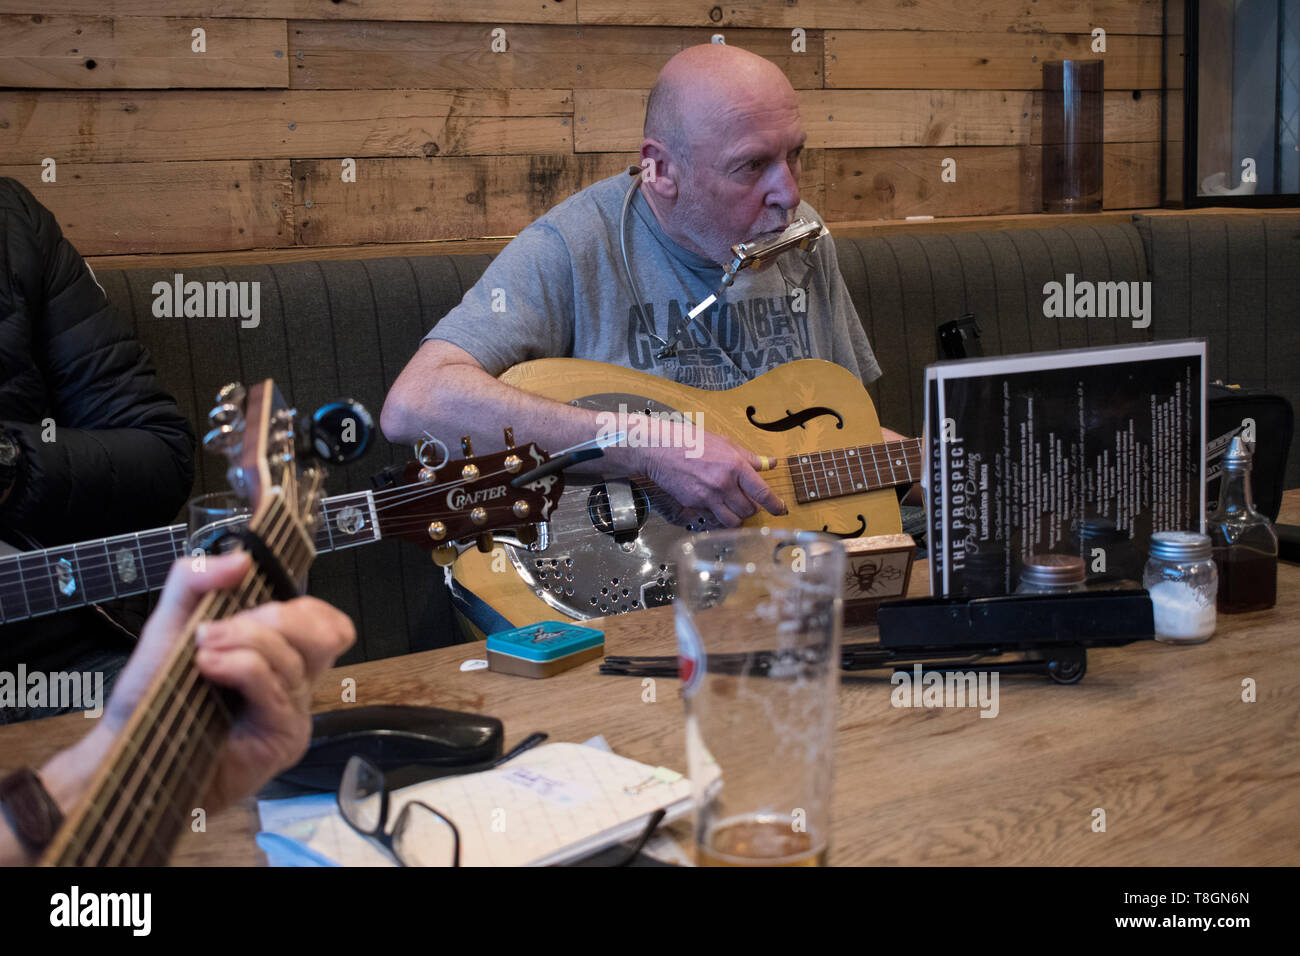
[1184, 583]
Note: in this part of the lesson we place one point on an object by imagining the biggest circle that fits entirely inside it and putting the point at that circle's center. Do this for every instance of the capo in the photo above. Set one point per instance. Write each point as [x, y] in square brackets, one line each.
[282, 586]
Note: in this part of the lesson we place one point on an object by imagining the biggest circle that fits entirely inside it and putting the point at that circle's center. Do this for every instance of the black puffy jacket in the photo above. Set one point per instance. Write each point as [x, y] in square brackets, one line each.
[122, 458]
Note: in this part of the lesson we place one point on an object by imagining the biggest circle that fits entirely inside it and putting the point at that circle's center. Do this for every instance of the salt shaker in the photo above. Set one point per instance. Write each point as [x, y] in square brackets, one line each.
[1184, 584]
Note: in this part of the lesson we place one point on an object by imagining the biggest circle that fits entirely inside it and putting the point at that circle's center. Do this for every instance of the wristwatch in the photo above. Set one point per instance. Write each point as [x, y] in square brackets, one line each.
[31, 811]
[11, 454]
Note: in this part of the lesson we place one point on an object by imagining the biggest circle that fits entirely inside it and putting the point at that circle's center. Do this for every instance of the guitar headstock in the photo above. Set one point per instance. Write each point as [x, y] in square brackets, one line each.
[256, 431]
[466, 499]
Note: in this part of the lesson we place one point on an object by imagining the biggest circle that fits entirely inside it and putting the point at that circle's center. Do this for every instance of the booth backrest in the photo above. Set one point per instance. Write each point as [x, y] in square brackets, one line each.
[330, 328]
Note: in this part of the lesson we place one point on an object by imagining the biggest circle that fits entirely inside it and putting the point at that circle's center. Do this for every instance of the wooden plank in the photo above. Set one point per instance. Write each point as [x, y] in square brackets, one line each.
[477, 246]
[174, 207]
[1176, 57]
[1175, 17]
[812, 181]
[46, 52]
[343, 55]
[183, 125]
[378, 250]
[1174, 173]
[1126, 119]
[1016, 16]
[1176, 118]
[894, 183]
[456, 11]
[612, 119]
[1131, 178]
[901, 59]
[400, 200]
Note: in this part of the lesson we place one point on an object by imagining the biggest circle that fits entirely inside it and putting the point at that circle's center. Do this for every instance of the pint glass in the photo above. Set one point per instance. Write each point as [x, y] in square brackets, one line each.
[758, 634]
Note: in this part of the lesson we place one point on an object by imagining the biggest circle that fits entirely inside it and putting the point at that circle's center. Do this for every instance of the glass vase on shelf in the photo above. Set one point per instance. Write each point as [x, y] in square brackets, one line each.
[1245, 544]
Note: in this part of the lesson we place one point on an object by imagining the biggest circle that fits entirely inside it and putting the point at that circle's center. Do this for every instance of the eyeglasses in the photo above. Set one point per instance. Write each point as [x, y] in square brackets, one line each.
[422, 836]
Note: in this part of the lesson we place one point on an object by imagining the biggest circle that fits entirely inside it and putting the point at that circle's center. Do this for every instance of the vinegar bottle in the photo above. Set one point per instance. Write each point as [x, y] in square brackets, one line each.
[1245, 544]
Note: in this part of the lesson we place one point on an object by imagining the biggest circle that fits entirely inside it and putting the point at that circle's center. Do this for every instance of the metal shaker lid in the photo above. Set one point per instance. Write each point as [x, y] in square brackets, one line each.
[1238, 454]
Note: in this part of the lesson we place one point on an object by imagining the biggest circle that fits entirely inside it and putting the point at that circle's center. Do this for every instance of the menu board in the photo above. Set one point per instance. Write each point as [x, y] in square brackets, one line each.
[1083, 451]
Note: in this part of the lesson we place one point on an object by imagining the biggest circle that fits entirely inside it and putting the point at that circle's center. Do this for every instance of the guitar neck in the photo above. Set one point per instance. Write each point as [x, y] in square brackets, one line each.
[148, 789]
[822, 475]
[36, 583]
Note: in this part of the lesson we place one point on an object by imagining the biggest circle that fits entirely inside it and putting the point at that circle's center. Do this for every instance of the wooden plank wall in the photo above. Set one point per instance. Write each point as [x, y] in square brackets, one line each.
[158, 148]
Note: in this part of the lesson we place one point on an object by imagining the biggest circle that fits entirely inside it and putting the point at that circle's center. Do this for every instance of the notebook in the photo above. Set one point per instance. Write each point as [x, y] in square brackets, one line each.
[551, 804]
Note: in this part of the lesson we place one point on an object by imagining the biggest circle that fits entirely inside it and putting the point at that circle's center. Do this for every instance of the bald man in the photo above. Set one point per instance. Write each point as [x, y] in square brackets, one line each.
[724, 139]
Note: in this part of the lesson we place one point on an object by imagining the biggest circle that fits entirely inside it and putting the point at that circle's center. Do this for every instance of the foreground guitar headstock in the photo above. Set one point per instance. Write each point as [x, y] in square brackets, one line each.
[256, 431]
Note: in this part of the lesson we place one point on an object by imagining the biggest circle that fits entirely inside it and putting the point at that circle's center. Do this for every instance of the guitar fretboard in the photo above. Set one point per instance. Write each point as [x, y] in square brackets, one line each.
[143, 795]
[853, 471]
[36, 583]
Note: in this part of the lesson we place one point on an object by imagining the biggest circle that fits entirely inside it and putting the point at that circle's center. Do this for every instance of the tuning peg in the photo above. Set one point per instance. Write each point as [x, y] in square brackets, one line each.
[466, 446]
[232, 394]
[485, 543]
[224, 439]
[444, 556]
[510, 437]
[227, 413]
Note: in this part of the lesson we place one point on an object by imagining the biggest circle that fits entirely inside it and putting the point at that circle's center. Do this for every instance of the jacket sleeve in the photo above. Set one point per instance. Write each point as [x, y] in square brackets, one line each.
[114, 453]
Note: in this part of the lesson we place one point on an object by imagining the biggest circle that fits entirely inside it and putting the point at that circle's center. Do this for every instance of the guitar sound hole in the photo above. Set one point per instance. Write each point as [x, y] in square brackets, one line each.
[601, 518]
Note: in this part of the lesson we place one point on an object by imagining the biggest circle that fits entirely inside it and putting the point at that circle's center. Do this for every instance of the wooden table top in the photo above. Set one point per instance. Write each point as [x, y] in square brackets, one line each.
[1157, 736]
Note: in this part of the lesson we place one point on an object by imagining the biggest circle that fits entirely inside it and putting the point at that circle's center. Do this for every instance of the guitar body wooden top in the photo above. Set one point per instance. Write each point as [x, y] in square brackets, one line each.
[802, 407]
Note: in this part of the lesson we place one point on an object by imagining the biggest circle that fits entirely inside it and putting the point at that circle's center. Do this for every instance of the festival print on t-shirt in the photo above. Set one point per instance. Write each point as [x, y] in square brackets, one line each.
[724, 347]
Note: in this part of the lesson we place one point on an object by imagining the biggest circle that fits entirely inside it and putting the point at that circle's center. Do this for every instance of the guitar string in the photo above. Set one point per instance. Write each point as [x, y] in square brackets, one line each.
[171, 740]
[183, 662]
[133, 751]
[781, 484]
[192, 705]
[201, 709]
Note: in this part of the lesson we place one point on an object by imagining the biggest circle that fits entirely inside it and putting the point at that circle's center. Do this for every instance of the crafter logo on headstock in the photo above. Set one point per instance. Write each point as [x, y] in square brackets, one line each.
[458, 499]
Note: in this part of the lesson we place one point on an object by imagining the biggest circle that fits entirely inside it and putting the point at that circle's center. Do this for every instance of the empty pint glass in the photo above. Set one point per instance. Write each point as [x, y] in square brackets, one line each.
[758, 636]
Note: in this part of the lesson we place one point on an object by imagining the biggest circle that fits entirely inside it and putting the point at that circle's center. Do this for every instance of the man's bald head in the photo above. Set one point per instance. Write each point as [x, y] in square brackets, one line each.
[724, 139]
[702, 83]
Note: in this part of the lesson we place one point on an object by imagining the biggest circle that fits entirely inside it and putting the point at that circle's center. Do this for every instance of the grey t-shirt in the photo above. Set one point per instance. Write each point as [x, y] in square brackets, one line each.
[559, 290]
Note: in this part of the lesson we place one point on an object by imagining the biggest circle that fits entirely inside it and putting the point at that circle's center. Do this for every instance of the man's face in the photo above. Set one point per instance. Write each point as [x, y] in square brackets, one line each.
[743, 179]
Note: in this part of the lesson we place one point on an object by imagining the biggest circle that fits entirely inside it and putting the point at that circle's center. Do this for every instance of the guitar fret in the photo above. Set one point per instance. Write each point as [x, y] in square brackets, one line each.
[329, 525]
[14, 599]
[36, 578]
[835, 471]
[889, 459]
[106, 581]
[852, 454]
[156, 561]
[821, 481]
